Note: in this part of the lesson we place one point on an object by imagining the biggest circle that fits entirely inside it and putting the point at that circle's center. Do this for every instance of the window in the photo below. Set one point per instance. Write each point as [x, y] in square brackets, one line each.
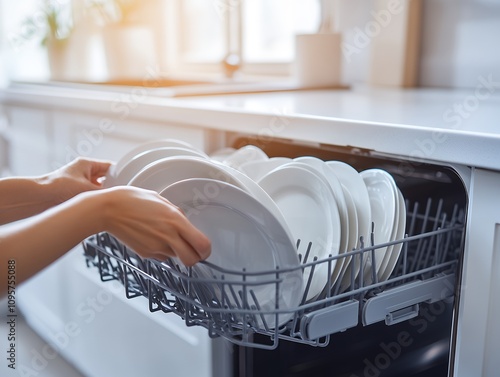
[202, 33]
[270, 25]
[260, 32]
[194, 36]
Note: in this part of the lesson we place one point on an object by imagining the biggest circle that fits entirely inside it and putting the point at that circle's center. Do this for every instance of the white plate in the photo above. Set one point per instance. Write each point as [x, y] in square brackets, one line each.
[258, 193]
[244, 235]
[139, 161]
[383, 199]
[245, 154]
[257, 169]
[394, 253]
[307, 201]
[162, 173]
[352, 181]
[322, 168]
[353, 238]
[153, 144]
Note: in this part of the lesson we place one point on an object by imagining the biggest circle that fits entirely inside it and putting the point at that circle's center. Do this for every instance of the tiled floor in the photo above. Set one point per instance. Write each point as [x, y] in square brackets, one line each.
[30, 350]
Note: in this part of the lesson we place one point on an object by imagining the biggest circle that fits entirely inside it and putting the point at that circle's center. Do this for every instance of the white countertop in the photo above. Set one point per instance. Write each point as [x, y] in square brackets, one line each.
[446, 126]
[457, 110]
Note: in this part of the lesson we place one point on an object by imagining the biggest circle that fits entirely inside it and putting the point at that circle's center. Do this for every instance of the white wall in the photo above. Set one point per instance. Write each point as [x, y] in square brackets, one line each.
[459, 41]
[19, 57]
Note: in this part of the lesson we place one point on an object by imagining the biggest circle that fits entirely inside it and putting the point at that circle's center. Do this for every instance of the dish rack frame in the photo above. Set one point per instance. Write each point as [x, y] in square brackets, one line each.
[424, 273]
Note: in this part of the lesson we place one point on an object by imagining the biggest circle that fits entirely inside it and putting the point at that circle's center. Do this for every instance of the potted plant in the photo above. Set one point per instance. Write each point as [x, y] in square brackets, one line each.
[129, 40]
[52, 27]
[67, 43]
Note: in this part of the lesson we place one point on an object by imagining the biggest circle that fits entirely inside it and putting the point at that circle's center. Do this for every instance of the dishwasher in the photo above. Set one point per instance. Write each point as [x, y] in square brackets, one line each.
[402, 326]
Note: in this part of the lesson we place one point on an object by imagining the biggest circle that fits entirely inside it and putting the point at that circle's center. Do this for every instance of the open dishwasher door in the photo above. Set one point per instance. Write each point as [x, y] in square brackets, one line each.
[363, 325]
[404, 327]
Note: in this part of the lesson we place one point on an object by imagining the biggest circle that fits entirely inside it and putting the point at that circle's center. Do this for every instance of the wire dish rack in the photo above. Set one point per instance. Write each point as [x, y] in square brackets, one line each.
[226, 304]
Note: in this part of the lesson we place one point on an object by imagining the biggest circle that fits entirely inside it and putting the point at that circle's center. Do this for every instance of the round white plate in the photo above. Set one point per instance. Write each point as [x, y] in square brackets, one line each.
[393, 234]
[153, 144]
[243, 155]
[308, 203]
[257, 169]
[258, 193]
[394, 252]
[380, 185]
[244, 235]
[139, 161]
[353, 237]
[322, 168]
[354, 183]
[162, 173]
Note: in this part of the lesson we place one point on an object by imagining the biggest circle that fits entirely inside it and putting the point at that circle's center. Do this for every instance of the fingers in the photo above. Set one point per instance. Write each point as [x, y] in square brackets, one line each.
[185, 252]
[176, 247]
[192, 240]
[154, 227]
[185, 241]
[97, 170]
[91, 170]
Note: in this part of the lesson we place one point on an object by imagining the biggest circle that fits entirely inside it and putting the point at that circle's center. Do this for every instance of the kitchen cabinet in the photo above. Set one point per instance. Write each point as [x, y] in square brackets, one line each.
[480, 303]
[4, 153]
[107, 137]
[30, 141]
[45, 139]
[411, 127]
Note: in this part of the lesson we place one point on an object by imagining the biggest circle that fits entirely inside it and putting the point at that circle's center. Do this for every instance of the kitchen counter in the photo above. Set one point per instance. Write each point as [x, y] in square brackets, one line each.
[453, 126]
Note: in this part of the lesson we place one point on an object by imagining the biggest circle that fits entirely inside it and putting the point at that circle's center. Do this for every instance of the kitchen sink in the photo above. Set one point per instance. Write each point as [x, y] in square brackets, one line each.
[166, 87]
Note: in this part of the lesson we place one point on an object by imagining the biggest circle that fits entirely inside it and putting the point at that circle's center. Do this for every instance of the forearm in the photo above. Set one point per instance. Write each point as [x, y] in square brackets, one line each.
[38, 241]
[24, 197]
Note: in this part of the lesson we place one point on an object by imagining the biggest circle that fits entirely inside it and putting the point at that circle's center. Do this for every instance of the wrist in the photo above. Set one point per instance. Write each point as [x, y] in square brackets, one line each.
[49, 189]
[94, 206]
[106, 202]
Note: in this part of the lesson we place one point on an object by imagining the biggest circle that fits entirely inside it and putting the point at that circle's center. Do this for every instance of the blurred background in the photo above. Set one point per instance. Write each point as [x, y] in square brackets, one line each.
[102, 40]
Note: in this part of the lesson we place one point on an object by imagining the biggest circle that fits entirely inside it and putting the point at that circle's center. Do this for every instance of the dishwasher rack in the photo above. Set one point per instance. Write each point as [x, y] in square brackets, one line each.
[225, 303]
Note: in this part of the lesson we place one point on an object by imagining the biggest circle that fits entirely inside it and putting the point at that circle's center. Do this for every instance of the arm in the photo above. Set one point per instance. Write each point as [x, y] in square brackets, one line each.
[22, 197]
[142, 219]
[36, 242]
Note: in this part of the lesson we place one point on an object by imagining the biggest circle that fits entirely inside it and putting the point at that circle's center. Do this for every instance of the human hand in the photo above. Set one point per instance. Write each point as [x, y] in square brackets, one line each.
[78, 176]
[152, 226]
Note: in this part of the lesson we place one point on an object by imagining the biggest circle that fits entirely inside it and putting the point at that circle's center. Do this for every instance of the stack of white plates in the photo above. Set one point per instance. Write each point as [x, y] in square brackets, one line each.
[337, 209]
[326, 204]
[389, 222]
[256, 210]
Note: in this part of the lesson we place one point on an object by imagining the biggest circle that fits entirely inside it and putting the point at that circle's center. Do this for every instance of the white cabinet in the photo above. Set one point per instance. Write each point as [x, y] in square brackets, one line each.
[479, 310]
[110, 138]
[95, 327]
[4, 146]
[44, 139]
[30, 132]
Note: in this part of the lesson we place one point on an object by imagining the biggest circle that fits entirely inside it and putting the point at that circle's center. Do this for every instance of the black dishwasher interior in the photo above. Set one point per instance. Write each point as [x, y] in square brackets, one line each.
[399, 327]
[420, 346]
